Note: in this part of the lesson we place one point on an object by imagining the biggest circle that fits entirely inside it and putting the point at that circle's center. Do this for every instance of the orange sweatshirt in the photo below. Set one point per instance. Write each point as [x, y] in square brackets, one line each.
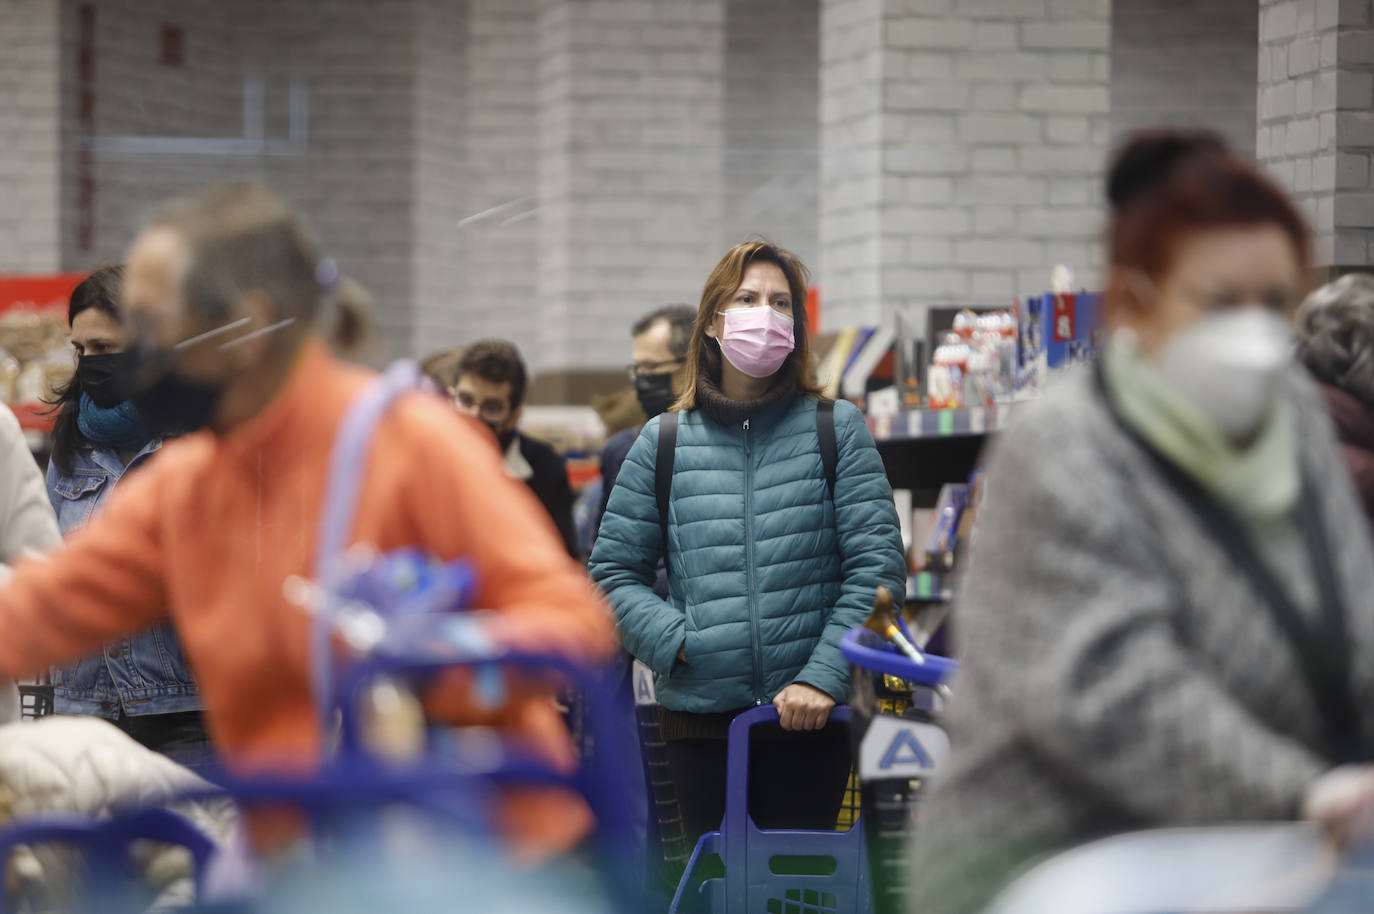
[211, 529]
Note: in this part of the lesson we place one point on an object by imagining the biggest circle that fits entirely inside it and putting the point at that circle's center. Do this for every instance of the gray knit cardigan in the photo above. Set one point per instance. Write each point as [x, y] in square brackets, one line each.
[1119, 672]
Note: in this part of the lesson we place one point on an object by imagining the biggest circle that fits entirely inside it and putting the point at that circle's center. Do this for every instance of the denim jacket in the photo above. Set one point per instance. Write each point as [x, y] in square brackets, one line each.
[141, 674]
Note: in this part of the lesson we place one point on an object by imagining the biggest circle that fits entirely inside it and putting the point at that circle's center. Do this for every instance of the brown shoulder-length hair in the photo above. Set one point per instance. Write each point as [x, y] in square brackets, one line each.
[703, 353]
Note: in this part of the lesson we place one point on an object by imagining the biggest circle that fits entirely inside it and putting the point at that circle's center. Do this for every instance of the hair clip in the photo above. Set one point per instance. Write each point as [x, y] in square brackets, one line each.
[327, 274]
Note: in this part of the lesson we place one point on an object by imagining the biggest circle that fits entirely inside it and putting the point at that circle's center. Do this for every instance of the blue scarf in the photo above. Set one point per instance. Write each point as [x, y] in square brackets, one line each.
[119, 427]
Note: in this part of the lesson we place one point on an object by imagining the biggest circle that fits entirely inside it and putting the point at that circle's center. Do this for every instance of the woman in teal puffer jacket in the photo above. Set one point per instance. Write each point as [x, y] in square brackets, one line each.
[767, 568]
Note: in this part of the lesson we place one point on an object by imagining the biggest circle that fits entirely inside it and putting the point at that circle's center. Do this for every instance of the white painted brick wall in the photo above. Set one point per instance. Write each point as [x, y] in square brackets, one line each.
[772, 124]
[477, 147]
[989, 120]
[443, 67]
[853, 205]
[1185, 63]
[630, 176]
[30, 136]
[1316, 130]
[355, 180]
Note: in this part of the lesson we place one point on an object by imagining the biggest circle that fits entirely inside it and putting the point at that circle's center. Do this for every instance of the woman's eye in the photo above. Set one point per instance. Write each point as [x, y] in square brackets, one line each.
[1220, 301]
[783, 305]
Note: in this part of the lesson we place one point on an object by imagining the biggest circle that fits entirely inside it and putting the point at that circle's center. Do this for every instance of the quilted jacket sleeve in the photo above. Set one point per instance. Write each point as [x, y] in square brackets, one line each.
[870, 543]
[625, 561]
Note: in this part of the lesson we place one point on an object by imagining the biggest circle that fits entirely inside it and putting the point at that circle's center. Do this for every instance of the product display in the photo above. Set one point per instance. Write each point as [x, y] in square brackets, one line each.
[973, 365]
[1054, 332]
[35, 357]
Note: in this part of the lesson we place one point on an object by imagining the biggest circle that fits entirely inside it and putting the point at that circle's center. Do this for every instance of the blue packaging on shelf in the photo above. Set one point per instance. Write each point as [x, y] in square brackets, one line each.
[1055, 332]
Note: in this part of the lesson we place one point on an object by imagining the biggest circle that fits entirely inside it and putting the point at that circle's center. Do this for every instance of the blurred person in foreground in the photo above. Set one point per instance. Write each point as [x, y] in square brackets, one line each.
[1336, 343]
[143, 682]
[1167, 618]
[223, 299]
[657, 355]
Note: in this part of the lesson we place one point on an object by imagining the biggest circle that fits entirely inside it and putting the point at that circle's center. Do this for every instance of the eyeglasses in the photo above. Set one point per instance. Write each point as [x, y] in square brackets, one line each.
[640, 369]
[494, 411]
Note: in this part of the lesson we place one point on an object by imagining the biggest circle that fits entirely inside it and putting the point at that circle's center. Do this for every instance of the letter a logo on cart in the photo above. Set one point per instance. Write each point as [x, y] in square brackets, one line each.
[644, 685]
[896, 747]
[905, 749]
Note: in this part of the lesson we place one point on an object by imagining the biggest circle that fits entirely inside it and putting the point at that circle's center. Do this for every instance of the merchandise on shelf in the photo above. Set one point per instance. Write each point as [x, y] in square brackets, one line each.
[940, 550]
[1055, 331]
[910, 366]
[35, 357]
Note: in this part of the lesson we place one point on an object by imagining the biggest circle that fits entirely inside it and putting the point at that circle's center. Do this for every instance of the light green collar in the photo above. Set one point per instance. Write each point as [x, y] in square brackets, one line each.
[1260, 482]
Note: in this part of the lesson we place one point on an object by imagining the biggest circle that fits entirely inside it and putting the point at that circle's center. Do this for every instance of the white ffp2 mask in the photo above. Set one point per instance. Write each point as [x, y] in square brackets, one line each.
[1229, 364]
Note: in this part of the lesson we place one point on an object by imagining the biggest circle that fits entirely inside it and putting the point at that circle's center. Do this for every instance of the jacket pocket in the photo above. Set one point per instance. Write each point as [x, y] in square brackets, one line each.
[169, 666]
[79, 486]
[78, 496]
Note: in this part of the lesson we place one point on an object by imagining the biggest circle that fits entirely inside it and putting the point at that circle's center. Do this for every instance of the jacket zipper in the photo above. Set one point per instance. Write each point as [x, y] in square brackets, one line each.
[749, 564]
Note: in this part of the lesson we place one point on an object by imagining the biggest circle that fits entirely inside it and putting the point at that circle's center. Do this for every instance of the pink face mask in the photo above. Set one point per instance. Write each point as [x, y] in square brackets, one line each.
[757, 340]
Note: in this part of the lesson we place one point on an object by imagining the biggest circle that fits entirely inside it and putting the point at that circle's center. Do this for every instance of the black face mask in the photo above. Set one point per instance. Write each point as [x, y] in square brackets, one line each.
[655, 392]
[502, 438]
[170, 403]
[107, 378]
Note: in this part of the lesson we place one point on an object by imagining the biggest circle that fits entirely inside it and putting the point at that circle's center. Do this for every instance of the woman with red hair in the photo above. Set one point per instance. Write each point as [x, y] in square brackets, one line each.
[1167, 621]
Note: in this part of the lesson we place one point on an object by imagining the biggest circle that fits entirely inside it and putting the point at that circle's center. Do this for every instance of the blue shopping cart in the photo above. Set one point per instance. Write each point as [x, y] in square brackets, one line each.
[420, 646]
[111, 885]
[750, 854]
[898, 747]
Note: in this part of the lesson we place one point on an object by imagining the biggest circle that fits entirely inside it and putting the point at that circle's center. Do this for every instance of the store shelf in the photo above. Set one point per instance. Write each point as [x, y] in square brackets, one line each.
[916, 425]
[929, 587]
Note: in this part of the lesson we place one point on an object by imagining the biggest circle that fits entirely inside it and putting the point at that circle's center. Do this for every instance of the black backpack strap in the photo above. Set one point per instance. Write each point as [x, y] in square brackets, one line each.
[663, 474]
[825, 434]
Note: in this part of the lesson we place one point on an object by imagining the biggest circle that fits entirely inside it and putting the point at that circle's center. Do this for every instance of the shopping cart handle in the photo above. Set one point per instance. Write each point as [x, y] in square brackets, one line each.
[769, 713]
[432, 644]
[107, 841]
[865, 649]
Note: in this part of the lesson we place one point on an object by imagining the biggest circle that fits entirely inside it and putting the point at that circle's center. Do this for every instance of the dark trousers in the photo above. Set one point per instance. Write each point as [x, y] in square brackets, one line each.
[796, 778]
[181, 736]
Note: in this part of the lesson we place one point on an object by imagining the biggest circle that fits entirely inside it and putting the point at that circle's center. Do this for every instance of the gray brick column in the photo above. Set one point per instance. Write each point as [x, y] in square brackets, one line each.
[1316, 119]
[962, 147]
[1185, 63]
[630, 168]
[772, 126]
[30, 136]
[477, 174]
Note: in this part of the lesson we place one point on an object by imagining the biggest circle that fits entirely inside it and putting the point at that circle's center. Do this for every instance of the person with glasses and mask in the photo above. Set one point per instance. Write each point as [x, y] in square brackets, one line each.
[659, 351]
[226, 309]
[142, 683]
[489, 385]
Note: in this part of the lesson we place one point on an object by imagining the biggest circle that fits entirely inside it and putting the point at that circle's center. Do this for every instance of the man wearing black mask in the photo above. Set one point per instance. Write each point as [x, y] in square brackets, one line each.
[659, 352]
[490, 386]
